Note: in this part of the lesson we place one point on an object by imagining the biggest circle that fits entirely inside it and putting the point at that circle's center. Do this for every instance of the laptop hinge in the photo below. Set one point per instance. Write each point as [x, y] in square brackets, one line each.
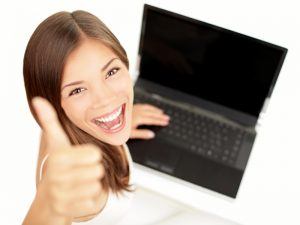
[262, 114]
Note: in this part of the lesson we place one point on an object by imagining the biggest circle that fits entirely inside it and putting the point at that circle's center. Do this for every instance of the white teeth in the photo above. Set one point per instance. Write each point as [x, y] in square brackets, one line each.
[110, 117]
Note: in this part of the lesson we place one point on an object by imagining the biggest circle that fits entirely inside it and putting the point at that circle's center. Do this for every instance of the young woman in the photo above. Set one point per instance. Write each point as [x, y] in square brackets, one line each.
[79, 70]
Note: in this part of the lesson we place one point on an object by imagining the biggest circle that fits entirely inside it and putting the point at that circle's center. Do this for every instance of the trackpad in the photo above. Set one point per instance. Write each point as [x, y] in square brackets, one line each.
[161, 155]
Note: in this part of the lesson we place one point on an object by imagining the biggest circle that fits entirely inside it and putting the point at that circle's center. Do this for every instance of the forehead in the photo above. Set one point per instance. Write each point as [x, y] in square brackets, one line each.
[88, 58]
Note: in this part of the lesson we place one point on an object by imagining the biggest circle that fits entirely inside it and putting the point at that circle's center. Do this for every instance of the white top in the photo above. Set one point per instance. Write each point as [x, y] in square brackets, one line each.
[116, 206]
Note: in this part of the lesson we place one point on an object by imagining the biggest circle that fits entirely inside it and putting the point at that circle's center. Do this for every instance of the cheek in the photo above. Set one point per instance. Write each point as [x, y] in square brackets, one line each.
[122, 85]
[75, 110]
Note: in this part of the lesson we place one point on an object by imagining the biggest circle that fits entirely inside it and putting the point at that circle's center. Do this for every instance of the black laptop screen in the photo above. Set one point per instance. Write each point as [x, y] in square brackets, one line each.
[206, 61]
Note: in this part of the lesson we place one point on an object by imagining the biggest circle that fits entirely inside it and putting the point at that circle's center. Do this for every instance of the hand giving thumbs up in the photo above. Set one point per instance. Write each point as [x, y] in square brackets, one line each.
[71, 184]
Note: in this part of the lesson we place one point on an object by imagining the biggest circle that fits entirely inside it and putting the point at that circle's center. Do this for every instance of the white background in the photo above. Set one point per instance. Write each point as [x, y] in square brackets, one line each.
[270, 190]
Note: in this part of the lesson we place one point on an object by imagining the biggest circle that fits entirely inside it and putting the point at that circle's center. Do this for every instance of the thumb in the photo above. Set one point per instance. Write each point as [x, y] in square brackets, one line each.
[47, 116]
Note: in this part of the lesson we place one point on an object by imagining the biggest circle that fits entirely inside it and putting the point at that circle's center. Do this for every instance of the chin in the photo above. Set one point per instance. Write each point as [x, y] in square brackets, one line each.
[117, 140]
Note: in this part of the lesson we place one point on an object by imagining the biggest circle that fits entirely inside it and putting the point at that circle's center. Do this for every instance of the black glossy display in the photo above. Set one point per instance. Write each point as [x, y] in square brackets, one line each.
[209, 62]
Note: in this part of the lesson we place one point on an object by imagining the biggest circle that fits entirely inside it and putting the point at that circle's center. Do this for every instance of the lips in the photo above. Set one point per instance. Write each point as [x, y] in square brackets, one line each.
[111, 122]
[107, 116]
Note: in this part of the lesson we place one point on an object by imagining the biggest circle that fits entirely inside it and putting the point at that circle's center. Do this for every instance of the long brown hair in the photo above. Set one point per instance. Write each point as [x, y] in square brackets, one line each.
[45, 56]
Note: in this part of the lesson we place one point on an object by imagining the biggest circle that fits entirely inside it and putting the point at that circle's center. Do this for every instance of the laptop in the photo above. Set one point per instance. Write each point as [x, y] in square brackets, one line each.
[213, 83]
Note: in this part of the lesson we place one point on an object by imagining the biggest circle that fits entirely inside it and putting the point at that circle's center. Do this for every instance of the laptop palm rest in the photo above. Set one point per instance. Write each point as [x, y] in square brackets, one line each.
[166, 157]
[155, 154]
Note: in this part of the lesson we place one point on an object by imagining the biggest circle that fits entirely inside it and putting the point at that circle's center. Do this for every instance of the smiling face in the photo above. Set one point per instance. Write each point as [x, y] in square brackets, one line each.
[97, 92]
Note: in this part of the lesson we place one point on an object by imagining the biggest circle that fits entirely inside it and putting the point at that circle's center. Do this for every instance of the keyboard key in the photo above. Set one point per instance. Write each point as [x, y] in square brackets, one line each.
[197, 133]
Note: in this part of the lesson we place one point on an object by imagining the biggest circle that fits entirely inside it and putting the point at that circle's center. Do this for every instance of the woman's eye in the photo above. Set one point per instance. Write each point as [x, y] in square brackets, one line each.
[112, 72]
[76, 91]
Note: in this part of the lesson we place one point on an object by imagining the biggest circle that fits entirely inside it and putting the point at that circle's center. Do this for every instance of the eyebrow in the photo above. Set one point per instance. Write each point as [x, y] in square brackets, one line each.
[81, 81]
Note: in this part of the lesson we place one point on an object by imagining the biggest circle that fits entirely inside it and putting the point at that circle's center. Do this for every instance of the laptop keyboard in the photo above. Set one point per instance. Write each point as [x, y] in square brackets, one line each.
[197, 133]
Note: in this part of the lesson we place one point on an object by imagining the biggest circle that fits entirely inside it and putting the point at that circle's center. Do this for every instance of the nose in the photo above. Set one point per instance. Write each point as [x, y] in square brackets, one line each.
[102, 96]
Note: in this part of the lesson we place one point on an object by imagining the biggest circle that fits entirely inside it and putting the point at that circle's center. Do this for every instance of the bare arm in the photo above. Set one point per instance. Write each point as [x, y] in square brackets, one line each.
[40, 212]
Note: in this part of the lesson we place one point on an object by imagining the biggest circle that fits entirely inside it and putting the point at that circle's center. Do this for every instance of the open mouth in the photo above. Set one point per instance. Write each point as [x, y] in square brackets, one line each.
[112, 122]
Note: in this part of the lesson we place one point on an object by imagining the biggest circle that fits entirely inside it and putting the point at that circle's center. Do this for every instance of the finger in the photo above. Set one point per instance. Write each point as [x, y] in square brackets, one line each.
[150, 107]
[89, 190]
[163, 117]
[77, 192]
[142, 134]
[151, 121]
[79, 155]
[79, 175]
[47, 117]
[84, 208]
[78, 208]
